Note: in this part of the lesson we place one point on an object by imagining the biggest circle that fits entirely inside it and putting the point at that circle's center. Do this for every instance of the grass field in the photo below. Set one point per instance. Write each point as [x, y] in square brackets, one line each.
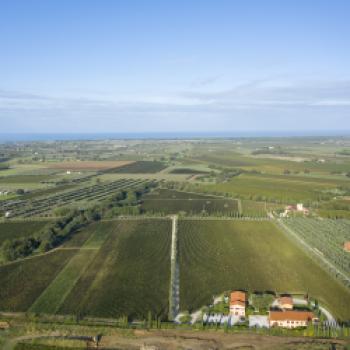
[282, 188]
[140, 167]
[219, 255]
[13, 229]
[172, 202]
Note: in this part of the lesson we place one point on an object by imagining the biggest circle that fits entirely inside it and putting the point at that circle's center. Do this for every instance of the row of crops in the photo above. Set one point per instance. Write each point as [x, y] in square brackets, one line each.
[95, 192]
[326, 237]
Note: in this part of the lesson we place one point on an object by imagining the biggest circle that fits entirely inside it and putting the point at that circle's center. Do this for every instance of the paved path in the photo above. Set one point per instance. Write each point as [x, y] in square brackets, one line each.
[174, 297]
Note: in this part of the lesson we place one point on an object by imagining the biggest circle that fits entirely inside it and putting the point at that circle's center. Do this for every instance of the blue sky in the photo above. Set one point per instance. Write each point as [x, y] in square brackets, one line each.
[173, 66]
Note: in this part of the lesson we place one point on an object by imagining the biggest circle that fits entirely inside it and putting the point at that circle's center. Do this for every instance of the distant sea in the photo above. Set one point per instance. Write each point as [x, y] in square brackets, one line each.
[22, 137]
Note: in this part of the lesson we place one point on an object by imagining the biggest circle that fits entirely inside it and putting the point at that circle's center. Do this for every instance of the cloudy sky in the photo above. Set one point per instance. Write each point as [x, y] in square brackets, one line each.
[88, 66]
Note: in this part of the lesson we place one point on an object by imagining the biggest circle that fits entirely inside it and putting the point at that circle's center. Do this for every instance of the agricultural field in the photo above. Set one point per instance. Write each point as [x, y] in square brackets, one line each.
[188, 171]
[253, 209]
[326, 237]
[140, 167]
[17, 229]
[110, 269]
[88, 165]
[39, 206]
[335, 209]
[220, 255]
[130, 274]
[24, 179]
[23, 281]
[238, 156]
[54, 295]
[171, 202]
[279, 188]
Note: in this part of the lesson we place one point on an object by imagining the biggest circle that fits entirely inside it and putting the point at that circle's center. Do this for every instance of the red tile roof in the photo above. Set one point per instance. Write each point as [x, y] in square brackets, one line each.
[238, 297]
[292, 315]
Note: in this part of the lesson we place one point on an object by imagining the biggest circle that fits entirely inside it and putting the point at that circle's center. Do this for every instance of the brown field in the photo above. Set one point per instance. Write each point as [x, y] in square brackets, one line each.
[88, 165]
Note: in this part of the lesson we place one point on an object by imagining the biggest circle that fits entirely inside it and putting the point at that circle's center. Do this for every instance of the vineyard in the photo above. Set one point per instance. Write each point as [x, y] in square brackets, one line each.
[100, 191]
[109, 269]
[130, 274]
[277, 188]
[139, 167]
[326, 237]
[171, 202]
[23, 281]
[220, 255]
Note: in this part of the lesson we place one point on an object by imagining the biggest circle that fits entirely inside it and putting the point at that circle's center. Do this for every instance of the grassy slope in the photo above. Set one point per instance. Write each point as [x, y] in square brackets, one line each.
[220, 255]
[129, 276]
[11, 230]
[22, 282]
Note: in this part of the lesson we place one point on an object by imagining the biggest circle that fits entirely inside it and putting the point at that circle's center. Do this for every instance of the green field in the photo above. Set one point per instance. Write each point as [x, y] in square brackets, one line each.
[216, 256]
[129, 276]
[54, 295]
[326, 236]
[188, 171]
[282, 188]
[110, 269]
[16, 229]
[171, 202]
[24, 179]
[139, 167]
[24, 281]
[223, 156]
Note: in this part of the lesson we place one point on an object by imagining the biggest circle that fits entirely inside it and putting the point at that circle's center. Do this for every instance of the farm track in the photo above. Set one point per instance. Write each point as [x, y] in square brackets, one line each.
[174, 297]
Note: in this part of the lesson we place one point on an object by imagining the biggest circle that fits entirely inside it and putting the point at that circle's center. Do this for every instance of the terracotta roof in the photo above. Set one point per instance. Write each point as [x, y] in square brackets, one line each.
[285, 300]
[291, 315]
[238, 296]
[347, 246]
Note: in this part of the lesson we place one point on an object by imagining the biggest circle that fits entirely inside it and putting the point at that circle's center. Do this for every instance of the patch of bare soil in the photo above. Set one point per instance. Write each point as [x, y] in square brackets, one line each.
[210, 340]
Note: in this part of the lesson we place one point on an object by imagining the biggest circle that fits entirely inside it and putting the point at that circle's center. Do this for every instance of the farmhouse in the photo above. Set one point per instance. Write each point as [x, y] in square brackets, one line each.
[290, 318]
[347, 246]
[238, 301]
[299, 208]
[285, 303]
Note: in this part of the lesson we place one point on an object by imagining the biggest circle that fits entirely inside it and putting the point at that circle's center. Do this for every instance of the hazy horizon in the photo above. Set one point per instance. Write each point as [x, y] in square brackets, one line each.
[163, 67]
